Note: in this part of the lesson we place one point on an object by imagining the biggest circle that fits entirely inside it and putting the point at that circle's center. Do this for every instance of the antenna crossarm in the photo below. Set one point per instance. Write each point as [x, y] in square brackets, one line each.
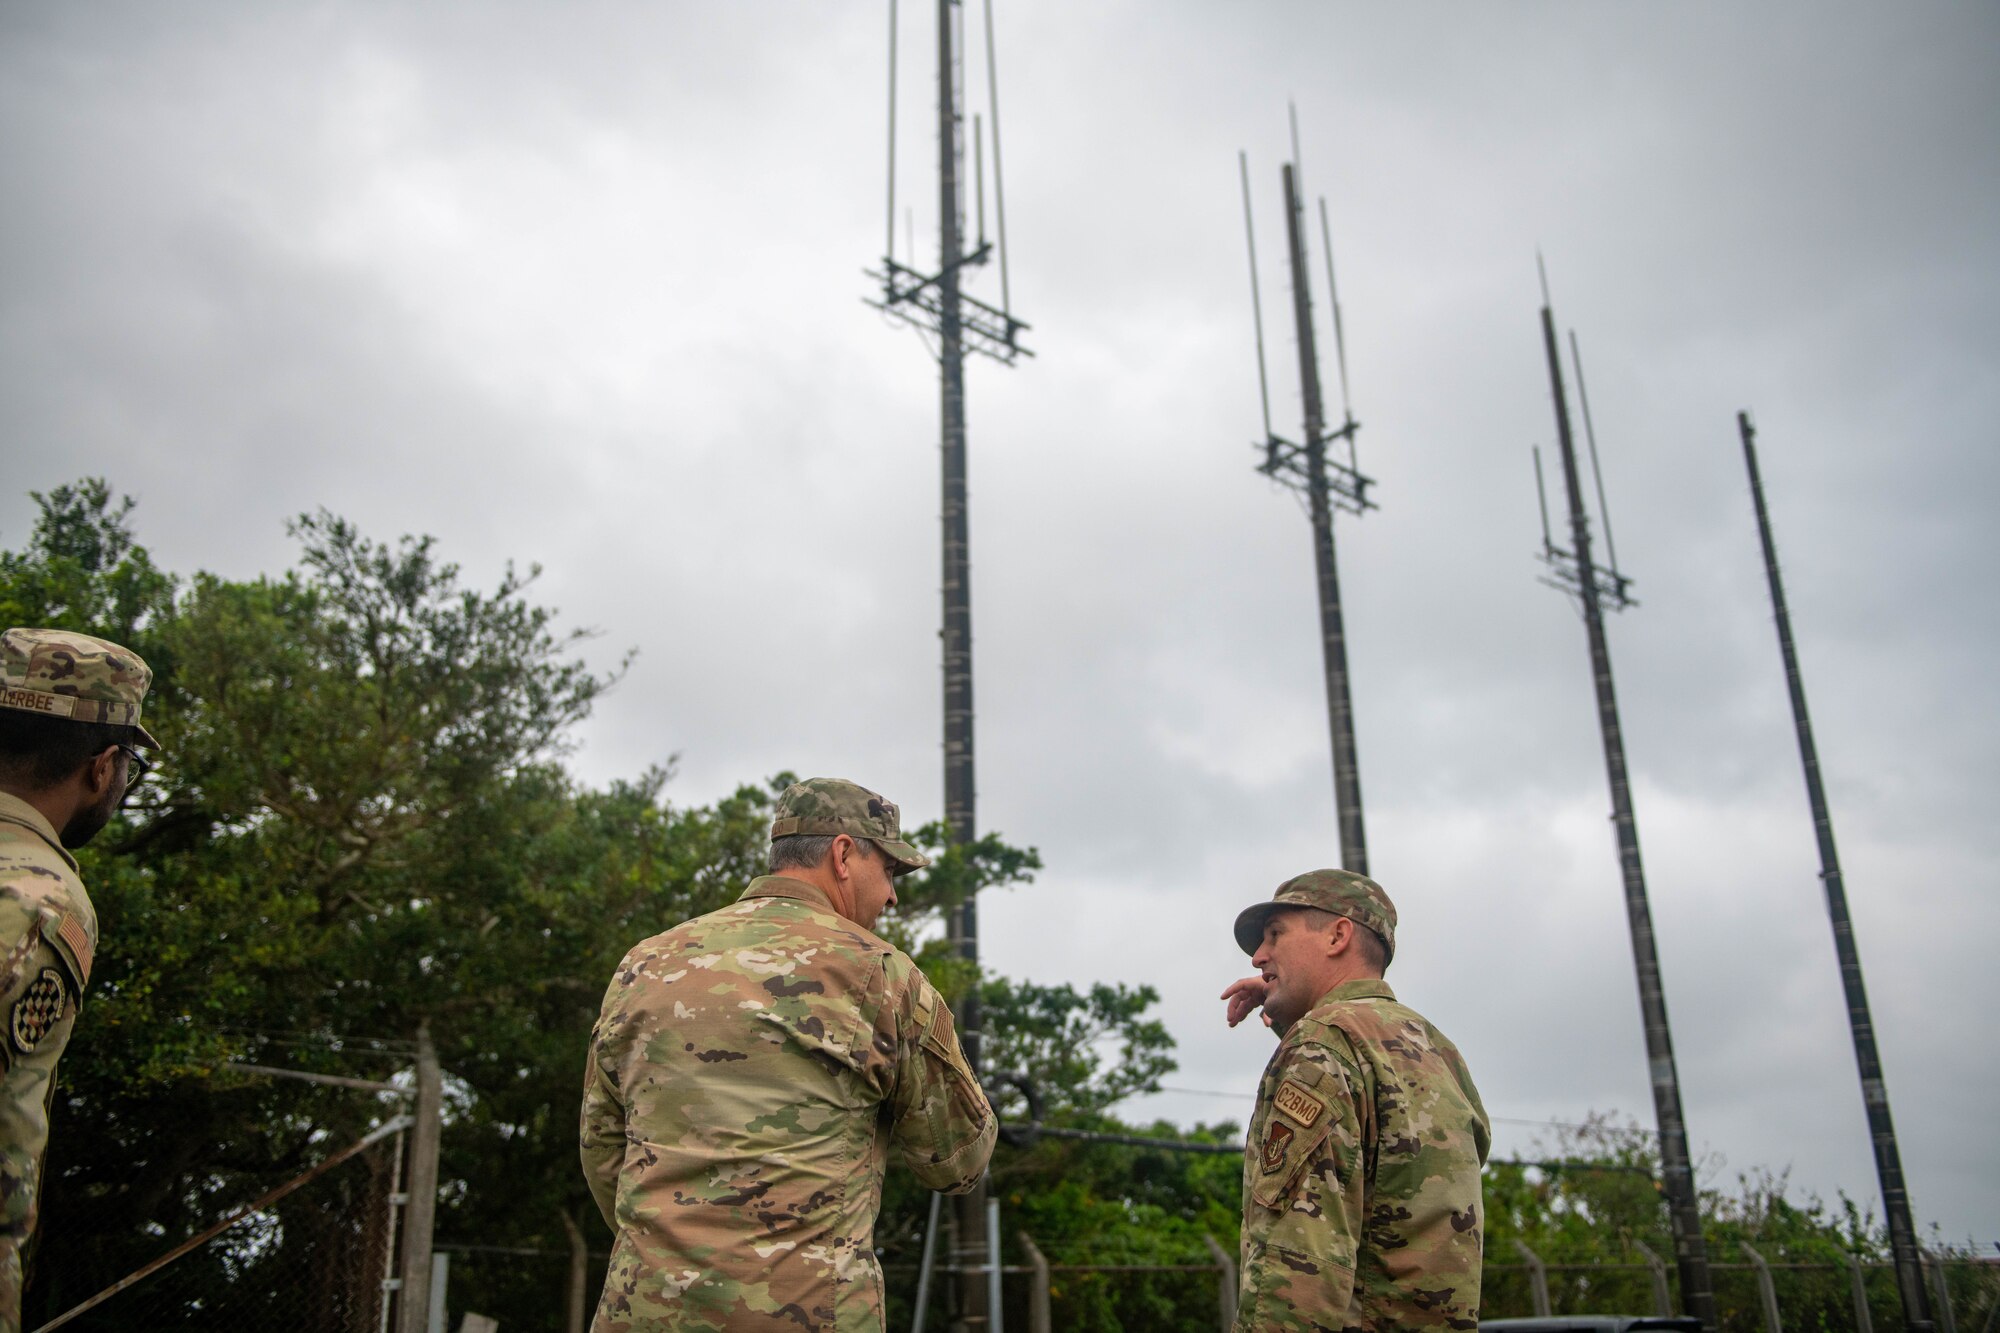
[985, 328]
[1614, 590]
[1290, 463]
[895, 292]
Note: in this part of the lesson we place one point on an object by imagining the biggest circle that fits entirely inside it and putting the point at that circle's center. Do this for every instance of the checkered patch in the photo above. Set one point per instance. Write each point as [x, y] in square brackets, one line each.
[39, 1009]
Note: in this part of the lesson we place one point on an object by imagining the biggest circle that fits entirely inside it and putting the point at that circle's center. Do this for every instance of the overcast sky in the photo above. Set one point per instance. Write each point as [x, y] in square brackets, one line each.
[581, 285]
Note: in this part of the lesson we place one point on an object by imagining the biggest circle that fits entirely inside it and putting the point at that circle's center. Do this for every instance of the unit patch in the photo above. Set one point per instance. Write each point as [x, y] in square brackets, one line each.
[1293, 1099]
[1277, 1138]
[39, 1009]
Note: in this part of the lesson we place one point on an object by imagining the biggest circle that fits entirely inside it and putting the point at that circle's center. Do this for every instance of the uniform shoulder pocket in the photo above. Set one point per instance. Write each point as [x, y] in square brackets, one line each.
[1292, 1130]
[67, 935]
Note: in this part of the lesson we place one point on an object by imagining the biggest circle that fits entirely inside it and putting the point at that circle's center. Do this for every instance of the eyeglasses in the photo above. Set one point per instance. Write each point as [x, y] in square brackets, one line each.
[137, 765]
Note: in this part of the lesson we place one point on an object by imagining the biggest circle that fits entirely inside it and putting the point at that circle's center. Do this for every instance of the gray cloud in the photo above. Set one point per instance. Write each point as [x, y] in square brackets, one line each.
[580, 285]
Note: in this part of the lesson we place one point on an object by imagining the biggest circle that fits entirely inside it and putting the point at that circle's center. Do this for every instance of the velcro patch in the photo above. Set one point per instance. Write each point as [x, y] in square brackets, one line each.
[72, 933]
[1293, 1099]
[39, 1009]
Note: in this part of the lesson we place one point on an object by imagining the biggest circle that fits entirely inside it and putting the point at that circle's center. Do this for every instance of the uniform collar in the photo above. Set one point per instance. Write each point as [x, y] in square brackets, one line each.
[784, 886]
[14, 810]
[1362, 988]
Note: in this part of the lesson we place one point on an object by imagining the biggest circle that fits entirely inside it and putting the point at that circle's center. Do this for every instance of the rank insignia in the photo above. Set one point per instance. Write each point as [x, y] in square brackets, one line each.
[1277, 1138]
[39, 1009]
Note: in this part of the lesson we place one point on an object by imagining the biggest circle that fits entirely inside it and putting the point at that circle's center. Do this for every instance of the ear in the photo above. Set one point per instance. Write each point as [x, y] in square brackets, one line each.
[101, 770]
[842, 852]
[1339, 937]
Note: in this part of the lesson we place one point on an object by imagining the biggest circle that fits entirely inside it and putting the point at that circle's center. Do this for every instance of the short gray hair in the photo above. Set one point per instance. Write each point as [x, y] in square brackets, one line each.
[803, 851]
[1374, 952]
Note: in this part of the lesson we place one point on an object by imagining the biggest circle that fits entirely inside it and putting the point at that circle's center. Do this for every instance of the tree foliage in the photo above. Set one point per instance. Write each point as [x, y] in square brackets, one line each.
[362, 824]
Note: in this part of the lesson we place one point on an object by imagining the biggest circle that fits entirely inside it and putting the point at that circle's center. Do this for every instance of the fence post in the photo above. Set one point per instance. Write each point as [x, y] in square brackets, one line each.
[434, 1320]
[1038, 1293]
[1767, 1291]
[1538, 1278]
[1946, 1322]
[579, 1272]
[414, 1303]
[1227, 1267]
[1663, 1301]
[924, 1267]
[995, 1322]
[1863, 1321]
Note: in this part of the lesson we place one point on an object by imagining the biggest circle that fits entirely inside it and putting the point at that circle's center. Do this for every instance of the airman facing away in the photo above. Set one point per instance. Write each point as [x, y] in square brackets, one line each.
[751, 1074]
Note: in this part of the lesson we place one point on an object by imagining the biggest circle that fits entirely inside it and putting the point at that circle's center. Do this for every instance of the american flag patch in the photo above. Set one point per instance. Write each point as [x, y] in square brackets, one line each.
[78, 939]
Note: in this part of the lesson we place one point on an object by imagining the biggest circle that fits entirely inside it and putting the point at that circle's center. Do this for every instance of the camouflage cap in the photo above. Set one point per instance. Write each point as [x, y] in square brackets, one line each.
[59, 673]
[1341, 892]
[822, 807]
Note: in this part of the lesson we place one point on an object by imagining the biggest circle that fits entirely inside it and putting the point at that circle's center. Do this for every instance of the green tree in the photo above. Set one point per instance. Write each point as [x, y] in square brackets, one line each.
[362, 823]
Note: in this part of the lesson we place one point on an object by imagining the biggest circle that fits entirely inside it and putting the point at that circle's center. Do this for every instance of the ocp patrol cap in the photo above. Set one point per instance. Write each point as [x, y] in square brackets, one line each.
[822, 807]
[60, 673]
[1341, 892]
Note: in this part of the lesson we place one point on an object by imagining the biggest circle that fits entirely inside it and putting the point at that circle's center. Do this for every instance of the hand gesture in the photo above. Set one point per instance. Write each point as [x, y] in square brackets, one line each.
[1243, 996]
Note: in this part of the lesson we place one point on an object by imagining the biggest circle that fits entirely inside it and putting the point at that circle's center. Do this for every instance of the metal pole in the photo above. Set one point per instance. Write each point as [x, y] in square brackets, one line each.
[1767, 1290]
[397, 1201]
[1946, 1322]
[1874, 1090]
[1333, 634]
[1226, 1288]
[579, 1272]
[1538, 1278]
[414, 1303]
[924, 1266]
[1038, 1297]
[1663, 1302]
[1864, 1321]
[434, 1320]
[1690, 1254]
[993, 1303]
[959, 788]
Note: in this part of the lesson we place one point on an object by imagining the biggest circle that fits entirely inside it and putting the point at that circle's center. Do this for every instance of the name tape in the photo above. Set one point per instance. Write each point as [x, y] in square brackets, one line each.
[34, 701]
[1296, 1102]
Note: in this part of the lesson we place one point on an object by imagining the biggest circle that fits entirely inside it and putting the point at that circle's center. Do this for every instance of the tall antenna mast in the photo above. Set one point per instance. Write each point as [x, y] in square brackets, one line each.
[1874, 1091]
[1326, 482]
[938, 307]
[1574, 571]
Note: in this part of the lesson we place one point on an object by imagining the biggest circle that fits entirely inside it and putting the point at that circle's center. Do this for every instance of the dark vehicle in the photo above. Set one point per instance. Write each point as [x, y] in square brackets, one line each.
[1592, 1323]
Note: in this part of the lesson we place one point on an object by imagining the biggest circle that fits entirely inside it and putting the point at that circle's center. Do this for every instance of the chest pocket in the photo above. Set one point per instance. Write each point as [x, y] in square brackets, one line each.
[1288, 1139]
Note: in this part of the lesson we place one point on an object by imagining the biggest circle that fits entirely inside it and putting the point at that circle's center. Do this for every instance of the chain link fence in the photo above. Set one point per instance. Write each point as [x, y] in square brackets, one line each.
[307, 1257]
[526, 1290]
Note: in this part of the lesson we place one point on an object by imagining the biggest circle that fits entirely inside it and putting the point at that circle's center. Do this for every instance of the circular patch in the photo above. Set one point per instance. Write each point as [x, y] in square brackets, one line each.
[39, 1009]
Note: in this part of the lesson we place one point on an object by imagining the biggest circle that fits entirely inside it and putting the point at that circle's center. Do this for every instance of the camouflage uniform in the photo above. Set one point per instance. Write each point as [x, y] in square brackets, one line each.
[749, 1077]
[1361, 1185]
[48, 928]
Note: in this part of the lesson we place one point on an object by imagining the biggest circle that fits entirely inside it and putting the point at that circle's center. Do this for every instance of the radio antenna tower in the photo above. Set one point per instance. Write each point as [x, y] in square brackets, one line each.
[1575, 571]
[952, 323]
[1874, 1091]
[1326, 479]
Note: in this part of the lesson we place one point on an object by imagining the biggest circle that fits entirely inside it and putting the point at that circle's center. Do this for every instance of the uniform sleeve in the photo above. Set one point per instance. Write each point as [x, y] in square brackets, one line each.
[942, 1126]
[1303, 1187]
[40, 986]
[601, 1134]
